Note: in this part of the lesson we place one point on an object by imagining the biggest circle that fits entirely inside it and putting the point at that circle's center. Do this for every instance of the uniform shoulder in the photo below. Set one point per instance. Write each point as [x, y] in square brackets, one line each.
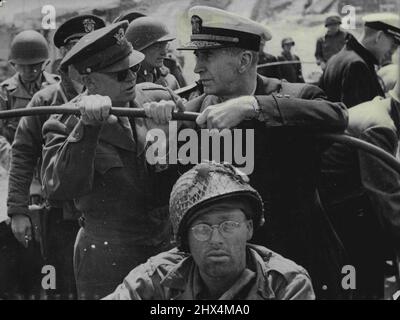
[10, 83]
[164, 262]
[375, 113]
[274, 262]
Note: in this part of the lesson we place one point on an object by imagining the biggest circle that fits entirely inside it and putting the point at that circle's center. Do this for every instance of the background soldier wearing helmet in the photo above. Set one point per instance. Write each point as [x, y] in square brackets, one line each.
[59, 225]
[28, 56]
[151, 37]
[214, 212]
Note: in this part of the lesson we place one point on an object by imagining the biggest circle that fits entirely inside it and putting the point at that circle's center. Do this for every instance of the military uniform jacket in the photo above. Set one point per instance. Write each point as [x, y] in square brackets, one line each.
[104, 169]
[14, 95]
[28, 143]
[286, 167]
[161, 76]
[174, 275]
[357, 180]
[350, 76]
[329, 45]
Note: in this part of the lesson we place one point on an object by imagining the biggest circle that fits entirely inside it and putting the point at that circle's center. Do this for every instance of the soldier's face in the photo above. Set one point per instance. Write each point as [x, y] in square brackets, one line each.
[107, 84]
[218, 71]
[333, 28]
[222, 254]
[155, 54]
[29, 72]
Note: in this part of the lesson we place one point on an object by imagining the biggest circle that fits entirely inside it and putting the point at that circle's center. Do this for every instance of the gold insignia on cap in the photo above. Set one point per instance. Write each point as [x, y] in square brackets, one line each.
[89, 25]
[120, 36]
[196, 24]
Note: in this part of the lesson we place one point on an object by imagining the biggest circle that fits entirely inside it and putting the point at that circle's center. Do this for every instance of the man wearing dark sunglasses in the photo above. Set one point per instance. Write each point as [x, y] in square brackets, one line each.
[214, 211]
[99, 161]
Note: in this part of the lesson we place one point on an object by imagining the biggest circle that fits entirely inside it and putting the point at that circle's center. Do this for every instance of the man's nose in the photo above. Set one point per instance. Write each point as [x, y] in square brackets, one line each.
[131, 76]
[199, 67]
[216, 236]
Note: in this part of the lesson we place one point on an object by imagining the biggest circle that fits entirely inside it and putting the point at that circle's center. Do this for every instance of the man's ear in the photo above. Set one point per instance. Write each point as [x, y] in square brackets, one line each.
[249, 225]
[246, 59]
[379, 35]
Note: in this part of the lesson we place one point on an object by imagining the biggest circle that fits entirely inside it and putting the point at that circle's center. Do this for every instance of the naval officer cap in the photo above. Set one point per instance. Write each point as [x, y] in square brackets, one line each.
[386, 22]
[103, 50]
[75, 28]
[214, 28]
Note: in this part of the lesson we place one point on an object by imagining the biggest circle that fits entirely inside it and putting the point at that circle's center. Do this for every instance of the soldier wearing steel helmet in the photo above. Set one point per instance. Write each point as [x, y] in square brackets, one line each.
[59, 221]
[214, 212]
[29, 54]
[152, 37]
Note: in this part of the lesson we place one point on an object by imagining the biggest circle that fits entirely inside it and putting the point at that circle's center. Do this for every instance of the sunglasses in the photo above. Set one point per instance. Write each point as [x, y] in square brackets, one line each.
[123, 74]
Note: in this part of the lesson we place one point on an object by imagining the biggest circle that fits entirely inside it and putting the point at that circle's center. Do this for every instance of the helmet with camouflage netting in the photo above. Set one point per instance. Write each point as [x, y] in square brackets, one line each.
[205, 184]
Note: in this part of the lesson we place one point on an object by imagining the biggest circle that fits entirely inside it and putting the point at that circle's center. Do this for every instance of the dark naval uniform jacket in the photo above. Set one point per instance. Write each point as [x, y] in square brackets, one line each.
[350, 76]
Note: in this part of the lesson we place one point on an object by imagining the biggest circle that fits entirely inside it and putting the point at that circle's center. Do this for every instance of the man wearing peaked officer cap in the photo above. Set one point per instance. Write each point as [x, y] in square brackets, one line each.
[285, 117]
[350, 75]
[112, 185]
[61, 224]
[214, 211]
[72, 30]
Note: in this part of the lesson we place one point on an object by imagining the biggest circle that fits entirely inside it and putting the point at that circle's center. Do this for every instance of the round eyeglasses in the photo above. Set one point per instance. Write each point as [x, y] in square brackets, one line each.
[203, 232]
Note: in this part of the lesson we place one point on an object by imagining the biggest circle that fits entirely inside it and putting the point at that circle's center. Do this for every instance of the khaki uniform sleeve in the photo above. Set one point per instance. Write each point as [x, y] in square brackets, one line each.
[68, 158]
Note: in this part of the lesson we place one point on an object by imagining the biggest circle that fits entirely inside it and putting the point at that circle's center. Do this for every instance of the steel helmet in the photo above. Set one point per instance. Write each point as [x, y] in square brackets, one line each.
[205, 184]
[145, 31]
[29, 47]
